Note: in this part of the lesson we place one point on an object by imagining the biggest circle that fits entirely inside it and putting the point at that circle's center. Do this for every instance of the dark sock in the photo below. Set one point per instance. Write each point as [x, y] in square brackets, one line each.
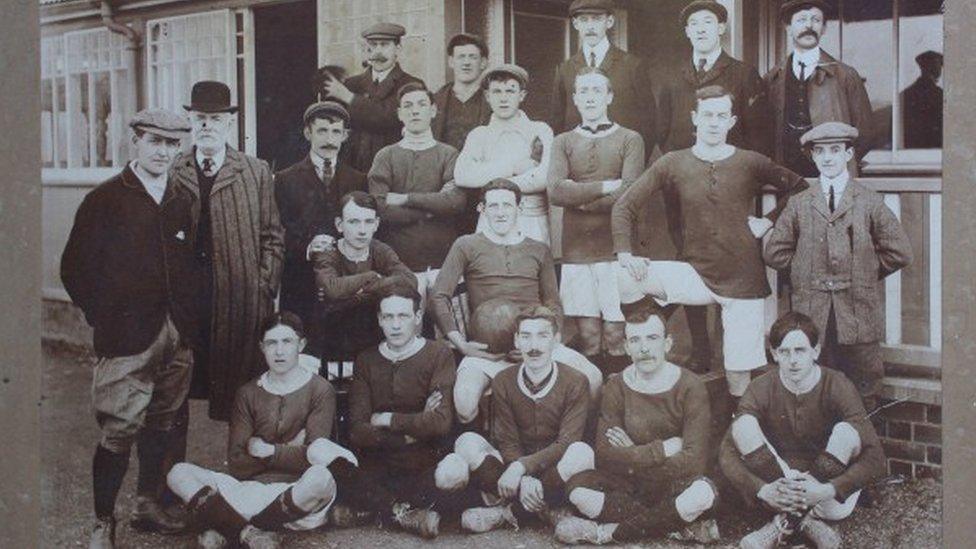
[763, 464]
[701, 354]
[638, 308]
[485, 477]
[361, 487]
[825, 467]
[553, 487]
[278, 513]
[618, 507]
[175, 453]
[151, 449]
[209, 510]
[108, 471]
[650, 523]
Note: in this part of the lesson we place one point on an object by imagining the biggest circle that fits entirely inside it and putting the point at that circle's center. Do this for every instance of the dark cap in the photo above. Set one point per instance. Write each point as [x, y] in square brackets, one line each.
[709, 5]
[464, 39]
[829, 132]
[928, 56]
[387, 31]
[790, 7]
[162, 122]
[591, 6]
[511, 69]
[210, 96]
[333, 108]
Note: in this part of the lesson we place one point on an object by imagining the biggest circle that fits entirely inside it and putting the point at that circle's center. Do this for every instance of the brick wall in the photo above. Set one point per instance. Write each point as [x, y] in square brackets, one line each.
[911, 433]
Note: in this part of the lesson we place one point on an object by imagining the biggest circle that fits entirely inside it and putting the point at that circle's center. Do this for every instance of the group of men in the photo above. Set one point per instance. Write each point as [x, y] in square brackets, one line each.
[473, 406]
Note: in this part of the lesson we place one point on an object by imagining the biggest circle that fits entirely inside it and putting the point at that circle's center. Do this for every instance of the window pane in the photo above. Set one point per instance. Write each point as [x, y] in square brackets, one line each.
[77, 115]
[920, 74]
[101, 88]
[47, 123]
[868, 45]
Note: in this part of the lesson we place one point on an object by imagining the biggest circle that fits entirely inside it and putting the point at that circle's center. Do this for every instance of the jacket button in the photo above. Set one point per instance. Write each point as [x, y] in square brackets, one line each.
[830, 223]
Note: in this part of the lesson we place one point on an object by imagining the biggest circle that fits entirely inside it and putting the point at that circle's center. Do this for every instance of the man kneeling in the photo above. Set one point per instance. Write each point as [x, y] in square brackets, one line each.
[801, 445]
[278, 452]
[651, 447]
[537, 419]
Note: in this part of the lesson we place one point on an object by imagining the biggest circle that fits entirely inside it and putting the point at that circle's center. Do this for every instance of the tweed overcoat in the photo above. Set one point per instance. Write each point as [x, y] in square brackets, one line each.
[839, 259]
[248, 250]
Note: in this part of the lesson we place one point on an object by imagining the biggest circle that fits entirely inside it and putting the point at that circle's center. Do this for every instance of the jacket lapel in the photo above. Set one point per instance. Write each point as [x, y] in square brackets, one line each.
[825, 67]
[717, 69]
[233, 165]
[184, 173]
[846, 200]
[818, 200]
[613, 55]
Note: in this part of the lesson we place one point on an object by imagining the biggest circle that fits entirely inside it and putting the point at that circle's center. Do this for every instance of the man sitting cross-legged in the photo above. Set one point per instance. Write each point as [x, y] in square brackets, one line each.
[498, 263]
[651, 448]
[277, 453]
[802, 445]
[538, 415]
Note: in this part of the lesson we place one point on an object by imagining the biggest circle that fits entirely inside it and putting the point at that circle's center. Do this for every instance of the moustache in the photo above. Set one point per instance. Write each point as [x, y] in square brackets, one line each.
[809, 32]
[380, 59]
[534, 353]
[330, 147]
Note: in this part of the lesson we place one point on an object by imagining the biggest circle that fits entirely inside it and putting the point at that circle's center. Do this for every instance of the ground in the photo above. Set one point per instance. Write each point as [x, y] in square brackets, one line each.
[907, 515]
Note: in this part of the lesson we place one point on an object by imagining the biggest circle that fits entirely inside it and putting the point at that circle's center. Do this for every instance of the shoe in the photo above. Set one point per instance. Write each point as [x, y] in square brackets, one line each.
[822, 535]
[423, 522]
[149, 516]
[485, 519]
[343, 516]
[255, 538]
[767, 537]
[574, 530]
[103, 535]
[700, 531]
[211, 539]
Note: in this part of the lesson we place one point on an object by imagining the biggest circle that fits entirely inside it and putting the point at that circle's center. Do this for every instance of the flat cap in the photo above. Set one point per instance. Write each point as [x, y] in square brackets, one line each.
[511, 69]
[829, 132]
[389, 31]
[928, 56]
[326, 107]
[790, 7]
[465, 38]
[704, 5]
[591, 6]
[162, 122]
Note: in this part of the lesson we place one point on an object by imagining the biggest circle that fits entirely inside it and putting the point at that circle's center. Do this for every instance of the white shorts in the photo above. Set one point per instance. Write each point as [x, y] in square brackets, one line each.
[535, 227]
[743, 320]
[561, 353]
[250, 497]
[590, 290]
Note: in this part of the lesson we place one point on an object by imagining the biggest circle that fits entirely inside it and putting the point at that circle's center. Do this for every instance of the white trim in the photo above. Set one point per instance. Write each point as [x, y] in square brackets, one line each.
[892, 287]
[935, 271]
[495, 32]
[771, 303]
[55, 294]
[250, 145]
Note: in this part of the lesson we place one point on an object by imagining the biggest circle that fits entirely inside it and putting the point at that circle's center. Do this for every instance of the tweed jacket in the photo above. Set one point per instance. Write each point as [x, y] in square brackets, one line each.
[837, 260]
[373, 113]
[248, 248]
[633, 104]
[836, 93]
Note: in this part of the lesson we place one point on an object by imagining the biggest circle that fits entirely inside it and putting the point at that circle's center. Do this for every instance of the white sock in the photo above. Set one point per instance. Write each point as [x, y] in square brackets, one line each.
[695, 500]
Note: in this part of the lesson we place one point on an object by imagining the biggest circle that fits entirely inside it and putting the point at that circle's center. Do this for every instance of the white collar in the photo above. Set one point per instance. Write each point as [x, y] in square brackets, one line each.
[839, 183]
[807, 386]
[710, 59]
[810, 58]
[297, 383]
[155, 186]
[381, 76]
[352, 255]
[631, 380]
[319, 162]
[600, 50]
[218, 158]
[545, 390]
[411, 349]
[519, 122]
[420, 142]
[586, 133]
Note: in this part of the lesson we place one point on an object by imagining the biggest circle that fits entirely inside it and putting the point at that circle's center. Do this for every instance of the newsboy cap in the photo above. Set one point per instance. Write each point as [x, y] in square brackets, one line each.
[384, 31]
[829, 132]
[928, 56]
[790, 7]
[590, 6]
[704, 5]
[333, 108]
[162, 122]
[511, 69]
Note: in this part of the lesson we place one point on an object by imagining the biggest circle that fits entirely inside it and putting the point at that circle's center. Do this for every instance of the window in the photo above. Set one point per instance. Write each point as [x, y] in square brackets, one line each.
[186, 49]
[87, 97]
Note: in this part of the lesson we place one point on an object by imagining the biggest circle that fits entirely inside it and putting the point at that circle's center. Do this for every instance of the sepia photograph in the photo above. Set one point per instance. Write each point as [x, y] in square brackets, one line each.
[492, 273]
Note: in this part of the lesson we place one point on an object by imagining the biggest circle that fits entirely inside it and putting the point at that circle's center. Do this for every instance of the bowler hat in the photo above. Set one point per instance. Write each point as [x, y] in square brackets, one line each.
[387, 31]
[790, 7]
[590, 6]
[707, 5]
[210, 96]
[829, 132]
[163, 122]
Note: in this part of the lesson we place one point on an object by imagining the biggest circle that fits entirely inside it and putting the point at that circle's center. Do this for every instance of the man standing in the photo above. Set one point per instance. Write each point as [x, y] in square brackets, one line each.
[633, 104]
[839, 241]
[372, 95]
[308, 195]
[922, 104]
[716, 186]
[590, 168]
[239, 246]
[413, 181]
[810, 87]
[512, 147]
[461, 107]
[129, 266]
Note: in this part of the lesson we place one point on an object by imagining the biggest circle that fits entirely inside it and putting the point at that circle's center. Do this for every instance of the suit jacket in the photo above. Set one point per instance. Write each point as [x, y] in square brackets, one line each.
[838, 259]
[308, 207]
[129, 263]
[633, 100]
[751, 106]
[835, 93]
[248, 247]
[373, 111]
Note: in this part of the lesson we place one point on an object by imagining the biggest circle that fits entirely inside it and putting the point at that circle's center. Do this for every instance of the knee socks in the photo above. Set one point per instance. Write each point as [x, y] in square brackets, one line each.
[108, 471]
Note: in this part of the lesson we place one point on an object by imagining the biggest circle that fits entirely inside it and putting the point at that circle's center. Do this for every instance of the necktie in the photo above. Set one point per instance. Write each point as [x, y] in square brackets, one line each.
[701, 66]
[830, 200]
[208, 166]
[326, 171]
[592, 58]
[803, 70]
[599, 128]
